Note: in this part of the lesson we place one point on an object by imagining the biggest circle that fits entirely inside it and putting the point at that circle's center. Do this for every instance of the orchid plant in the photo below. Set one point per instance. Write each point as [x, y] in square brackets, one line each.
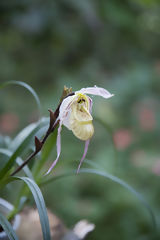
[74, 111]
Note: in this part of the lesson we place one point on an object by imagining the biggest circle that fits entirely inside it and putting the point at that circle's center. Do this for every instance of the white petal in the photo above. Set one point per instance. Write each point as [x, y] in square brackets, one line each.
[65, 105]
[96, 91]
[66, 120]
[64, 111]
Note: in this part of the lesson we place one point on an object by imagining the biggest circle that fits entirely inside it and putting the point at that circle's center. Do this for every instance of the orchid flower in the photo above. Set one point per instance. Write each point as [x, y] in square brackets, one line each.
[75, 114]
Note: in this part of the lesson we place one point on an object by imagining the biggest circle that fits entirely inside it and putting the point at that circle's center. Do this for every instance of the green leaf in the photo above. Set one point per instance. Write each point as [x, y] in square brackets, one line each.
[110, 177]
[23, 146]
[19, 161]
[92, 164]
[26, 131]
[21, 136]
[7, 228]
[125, 185]
[26, 86]
[38, 197]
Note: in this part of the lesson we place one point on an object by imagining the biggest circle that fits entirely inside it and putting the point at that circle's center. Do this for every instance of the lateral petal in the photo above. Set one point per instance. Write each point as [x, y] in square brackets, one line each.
[96, 91]
[58, 149]
[84, 154]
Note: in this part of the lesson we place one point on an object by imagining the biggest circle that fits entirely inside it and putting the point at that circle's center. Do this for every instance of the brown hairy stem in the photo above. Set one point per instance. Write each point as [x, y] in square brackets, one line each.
[52, 126]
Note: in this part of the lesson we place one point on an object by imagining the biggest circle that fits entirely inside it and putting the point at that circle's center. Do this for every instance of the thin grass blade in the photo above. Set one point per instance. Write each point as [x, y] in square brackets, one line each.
[19, 161]
[7, 228]
[23, 146]
[39, 200]
[15, 143]
[26, 86]
[110, 177]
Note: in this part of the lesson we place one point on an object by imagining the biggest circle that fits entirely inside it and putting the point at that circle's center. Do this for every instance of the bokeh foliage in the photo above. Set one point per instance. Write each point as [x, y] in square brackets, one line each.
[113, 44]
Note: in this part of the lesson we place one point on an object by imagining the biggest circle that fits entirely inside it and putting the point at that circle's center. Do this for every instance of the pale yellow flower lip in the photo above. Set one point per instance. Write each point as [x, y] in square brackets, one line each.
[80, 120]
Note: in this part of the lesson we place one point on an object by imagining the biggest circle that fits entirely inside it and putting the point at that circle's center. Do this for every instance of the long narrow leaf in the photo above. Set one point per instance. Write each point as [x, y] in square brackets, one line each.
[19, 161]
[38, 197]
[125, 185]
[19, 150]
[92, 164]
[110, 177]
[7, 228]
[26, 131]
[21, 136]
[26, 86]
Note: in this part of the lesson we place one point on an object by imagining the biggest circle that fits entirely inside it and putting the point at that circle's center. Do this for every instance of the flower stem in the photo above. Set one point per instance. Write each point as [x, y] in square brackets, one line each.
[53, 124]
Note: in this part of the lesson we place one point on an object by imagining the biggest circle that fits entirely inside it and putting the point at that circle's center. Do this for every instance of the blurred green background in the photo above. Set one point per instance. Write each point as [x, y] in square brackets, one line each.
[116, 45]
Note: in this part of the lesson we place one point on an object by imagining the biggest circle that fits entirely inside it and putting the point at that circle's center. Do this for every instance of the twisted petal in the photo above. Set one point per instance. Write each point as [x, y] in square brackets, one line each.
[96, 91]
[84, 154]
[58, 149]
